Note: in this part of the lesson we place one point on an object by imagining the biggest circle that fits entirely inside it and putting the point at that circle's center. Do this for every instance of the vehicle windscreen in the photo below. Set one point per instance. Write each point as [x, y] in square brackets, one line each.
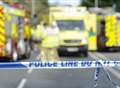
[71, 24]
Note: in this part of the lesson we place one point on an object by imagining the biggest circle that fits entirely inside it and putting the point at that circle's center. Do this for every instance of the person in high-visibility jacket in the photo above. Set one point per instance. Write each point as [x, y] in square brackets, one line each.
[14, 30]
[50, 42]
[37, 35]
[27, 32]
[27, 35]
[14, 36]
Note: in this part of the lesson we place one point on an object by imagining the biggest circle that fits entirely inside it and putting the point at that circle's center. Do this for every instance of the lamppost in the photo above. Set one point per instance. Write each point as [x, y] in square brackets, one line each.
[33, 7]
[96, 3]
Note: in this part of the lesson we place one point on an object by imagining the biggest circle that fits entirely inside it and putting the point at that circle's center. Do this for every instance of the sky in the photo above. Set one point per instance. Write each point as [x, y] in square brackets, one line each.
[65, 2]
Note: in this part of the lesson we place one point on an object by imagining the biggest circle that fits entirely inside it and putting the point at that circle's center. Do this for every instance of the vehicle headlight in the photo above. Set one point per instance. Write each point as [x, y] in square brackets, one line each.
[84, 41]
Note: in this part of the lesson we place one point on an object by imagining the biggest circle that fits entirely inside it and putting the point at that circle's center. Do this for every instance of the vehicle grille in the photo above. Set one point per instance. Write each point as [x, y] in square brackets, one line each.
[72, 41]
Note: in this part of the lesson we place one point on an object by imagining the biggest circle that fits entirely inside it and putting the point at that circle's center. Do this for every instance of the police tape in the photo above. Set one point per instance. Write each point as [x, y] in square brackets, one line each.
[60, 64]
[96, 77]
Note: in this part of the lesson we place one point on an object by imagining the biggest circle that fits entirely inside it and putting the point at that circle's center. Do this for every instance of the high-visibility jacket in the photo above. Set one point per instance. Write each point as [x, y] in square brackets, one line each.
[27, 32]
[38, 33]
[49, 36]
[51, 39]
[14, 31]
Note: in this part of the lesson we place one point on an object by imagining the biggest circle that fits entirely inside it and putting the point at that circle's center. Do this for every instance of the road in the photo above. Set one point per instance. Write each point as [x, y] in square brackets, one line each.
[61, 78]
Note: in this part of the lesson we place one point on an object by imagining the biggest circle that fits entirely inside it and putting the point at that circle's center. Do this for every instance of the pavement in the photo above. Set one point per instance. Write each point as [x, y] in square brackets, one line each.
[62, 78]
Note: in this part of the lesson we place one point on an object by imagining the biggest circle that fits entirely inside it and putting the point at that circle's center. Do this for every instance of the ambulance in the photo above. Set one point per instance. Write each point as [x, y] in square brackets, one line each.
[108, 30]
[74, 27]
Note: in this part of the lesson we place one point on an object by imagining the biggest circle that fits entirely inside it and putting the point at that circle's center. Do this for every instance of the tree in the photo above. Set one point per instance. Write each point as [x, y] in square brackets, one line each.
[117, 5]
[102, 3]
[41, 8]
[88, 3]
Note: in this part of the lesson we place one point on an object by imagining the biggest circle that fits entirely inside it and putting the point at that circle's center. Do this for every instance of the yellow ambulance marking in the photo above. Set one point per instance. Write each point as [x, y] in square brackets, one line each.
[2, 32]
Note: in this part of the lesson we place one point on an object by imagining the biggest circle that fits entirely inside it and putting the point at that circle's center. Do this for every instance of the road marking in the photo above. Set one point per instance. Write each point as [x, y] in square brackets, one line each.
[22, 83]
[113, 71]
[24, 80]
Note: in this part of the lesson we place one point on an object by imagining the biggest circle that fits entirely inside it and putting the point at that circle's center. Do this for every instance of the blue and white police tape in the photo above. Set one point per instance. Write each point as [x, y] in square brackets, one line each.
[96, 75]
[60, 64]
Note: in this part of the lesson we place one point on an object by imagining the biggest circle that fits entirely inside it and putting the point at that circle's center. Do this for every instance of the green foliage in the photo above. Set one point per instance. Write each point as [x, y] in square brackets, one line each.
[118, 5]
[88, 3]
[41, 8]
[101, 3]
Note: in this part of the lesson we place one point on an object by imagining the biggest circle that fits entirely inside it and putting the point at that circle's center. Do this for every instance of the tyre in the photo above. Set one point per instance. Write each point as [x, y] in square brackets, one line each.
[84, 53]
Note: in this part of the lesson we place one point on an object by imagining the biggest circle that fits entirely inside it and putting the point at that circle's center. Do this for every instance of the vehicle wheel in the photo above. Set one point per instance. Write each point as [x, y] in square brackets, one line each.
[62, 54]
[86, 53]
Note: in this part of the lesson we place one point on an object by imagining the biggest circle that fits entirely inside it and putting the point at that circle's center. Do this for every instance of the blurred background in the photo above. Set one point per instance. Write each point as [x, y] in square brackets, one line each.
[59, 30]
[94, 24]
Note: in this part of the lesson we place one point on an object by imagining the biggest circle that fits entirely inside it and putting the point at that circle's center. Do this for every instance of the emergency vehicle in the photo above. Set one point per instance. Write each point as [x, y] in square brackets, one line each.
[108, 33]
[108, 30]
[11, 22]
[74, 27]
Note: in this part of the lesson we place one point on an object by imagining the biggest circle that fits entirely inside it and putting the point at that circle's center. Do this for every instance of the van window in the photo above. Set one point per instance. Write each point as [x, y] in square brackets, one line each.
[71, 24]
